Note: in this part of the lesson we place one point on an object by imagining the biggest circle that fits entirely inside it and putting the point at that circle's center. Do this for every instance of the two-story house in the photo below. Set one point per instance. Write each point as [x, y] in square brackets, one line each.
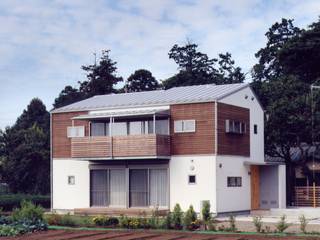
[184, 145]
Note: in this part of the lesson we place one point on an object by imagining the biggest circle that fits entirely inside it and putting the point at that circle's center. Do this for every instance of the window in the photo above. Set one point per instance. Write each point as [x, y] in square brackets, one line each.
[192, 179]
[71, 180]
[98, 129]
[255, 129]
[119, 128]
[162, 127]
[235, 127]
[234, 181]
[135, 128]
[184, 126]
[77, 131]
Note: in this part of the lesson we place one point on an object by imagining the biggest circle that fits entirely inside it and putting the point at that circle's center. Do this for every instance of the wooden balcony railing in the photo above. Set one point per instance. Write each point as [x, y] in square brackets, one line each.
[307, 196]
[150, 145]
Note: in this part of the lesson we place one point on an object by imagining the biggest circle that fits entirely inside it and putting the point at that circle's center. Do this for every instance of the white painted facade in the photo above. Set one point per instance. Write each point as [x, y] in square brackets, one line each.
[204, 168]
[65, 196]
[230, 199]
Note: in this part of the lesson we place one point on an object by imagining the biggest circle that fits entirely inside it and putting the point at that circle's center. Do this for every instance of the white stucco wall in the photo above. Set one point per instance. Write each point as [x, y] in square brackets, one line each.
[282, 186]
[70, 196]
[232, 198]
[184, 193]
[256, 117]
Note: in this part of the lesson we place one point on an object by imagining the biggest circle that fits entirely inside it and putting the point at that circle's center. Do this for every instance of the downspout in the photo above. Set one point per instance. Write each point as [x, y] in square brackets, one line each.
[111, 138]
[51, 166]
[216, 151]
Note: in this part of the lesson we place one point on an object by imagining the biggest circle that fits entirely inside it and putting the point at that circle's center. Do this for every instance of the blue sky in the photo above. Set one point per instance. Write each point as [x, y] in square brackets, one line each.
[44, 43]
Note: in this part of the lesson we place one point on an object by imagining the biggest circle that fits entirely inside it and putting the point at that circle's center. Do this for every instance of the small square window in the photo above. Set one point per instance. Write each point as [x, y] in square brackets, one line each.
[192, 179]
[255, 129]
[234, 181]
[71, 180]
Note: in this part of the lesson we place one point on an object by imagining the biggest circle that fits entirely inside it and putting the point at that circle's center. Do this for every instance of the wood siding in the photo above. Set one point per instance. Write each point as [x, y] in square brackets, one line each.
[255, 187]
[120, 146]
[203, 139]
[61, 144]
[233, 144]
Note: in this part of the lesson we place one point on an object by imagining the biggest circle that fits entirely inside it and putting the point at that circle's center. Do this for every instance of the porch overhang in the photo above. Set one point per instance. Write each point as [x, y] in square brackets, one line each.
[252, 163]
[162, 112]
[123, 158]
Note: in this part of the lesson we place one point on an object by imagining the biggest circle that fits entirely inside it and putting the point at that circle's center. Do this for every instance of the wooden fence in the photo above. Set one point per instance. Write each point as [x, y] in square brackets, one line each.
[308, 196]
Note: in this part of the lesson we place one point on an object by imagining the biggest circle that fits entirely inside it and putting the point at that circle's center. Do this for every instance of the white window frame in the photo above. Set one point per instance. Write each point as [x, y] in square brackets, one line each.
[230, 127]
[180, 126]
[75, 131]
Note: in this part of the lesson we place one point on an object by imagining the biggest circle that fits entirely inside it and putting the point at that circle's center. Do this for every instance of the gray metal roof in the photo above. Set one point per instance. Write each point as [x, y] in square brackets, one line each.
[177, 95]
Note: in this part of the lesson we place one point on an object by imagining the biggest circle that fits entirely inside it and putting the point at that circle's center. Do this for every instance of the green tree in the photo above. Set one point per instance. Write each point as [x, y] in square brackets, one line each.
[196, 68]
[25, 151]
[282, 82]
[68, 96]
[141, 80]
[101, 77]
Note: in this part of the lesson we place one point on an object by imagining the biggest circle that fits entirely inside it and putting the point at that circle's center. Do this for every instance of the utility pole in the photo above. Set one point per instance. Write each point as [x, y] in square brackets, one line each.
[312, 87]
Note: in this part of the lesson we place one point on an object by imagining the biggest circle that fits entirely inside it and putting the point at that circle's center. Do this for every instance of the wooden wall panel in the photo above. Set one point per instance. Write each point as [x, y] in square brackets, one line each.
[61, 144]
[200, 142]
[233, 144]
[255, 187]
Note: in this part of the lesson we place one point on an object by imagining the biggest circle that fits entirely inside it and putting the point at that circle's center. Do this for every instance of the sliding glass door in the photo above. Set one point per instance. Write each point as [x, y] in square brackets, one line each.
[148, 187]
[117, 188]
[99, 188]
[108, 188]
[138, 187]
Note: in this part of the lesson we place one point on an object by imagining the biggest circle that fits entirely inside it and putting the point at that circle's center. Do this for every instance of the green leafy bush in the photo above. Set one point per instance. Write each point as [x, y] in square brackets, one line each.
[190, 219]
[68, 220]
[303, 223]
[54, 219]
[232, 224]
[177, 216]
[205, 213]
[282, 225]
[10, 201]
[105, 221]
[8, 231]
[28, 211]
[257, 221]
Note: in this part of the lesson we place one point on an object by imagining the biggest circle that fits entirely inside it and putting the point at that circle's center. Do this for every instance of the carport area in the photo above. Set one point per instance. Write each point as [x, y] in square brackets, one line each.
[268, 186]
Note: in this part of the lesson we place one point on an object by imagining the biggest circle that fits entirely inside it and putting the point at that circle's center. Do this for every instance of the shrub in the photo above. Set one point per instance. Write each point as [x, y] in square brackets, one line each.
[205, 213]
[303, 223]
[8, 231]
[232, 224]
[282, 225]
[168, 221]
[105, 221]
[257, 221]
[10, 201]
[154, 220]
[190, 219]
[28, 211]
[177, 217]
[54, 219]
[68, 220]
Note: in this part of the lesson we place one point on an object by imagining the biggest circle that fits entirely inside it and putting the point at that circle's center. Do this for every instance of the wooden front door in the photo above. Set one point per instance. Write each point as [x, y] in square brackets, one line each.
[255, 187]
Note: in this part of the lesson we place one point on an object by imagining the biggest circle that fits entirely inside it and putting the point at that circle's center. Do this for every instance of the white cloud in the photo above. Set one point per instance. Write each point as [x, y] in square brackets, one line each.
[44, 43]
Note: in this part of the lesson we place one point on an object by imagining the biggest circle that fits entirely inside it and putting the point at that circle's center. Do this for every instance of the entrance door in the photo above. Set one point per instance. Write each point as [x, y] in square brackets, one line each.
[138, 187]
[117, 188]
[99, 188]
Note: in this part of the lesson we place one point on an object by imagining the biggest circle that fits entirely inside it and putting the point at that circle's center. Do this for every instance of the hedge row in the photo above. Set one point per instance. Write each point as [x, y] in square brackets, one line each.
[10, 201]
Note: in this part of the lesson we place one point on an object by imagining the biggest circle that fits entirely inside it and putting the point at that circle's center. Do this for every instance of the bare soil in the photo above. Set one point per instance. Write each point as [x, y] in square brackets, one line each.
[153, 235]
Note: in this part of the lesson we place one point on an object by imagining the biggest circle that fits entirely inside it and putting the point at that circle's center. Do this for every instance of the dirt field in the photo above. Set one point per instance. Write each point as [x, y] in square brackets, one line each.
[126, 235]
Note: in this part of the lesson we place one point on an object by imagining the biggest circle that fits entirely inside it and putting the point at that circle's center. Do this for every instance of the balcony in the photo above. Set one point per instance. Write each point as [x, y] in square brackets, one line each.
[117, 147]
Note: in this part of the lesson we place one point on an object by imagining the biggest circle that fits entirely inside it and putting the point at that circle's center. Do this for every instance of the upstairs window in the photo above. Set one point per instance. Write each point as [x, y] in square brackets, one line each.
[77, 131]
[181, 126]
[237, 127]
[255, 129]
